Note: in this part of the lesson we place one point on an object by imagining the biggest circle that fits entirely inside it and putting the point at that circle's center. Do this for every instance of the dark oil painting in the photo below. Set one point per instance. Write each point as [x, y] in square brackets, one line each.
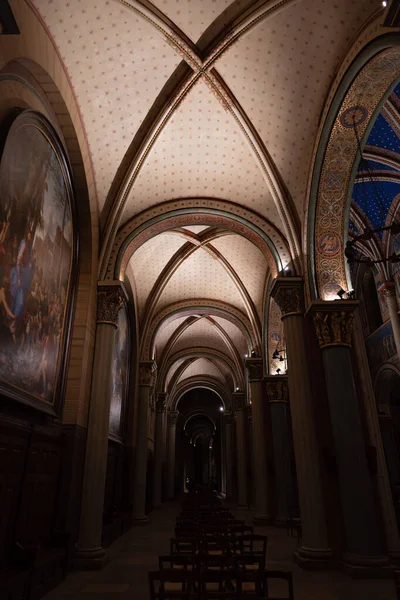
[36, 252]
[119, 374]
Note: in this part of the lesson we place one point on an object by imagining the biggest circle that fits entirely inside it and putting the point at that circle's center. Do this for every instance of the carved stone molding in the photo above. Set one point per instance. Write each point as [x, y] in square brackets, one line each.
[147, 374]
[110, 299]
[277, 388]
[239, 400]
[228, 417]
[388, 290]
[162, 399]
[288, 294]
[333, 322]
[254, 367]
[249, 414]
[173, 417]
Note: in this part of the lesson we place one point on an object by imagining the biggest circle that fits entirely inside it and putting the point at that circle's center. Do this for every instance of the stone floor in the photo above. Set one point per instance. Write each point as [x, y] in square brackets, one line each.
[136, 553]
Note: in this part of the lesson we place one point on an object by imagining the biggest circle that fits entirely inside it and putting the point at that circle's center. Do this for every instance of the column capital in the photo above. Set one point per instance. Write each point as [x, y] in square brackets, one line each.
[288, 294]
[239, 400]
[228, 417]
[111, 296]
[333, 321]
[254, 367]
[161, 404]
[277, 388]
[387, 289]
[173, 417]
[147, 373]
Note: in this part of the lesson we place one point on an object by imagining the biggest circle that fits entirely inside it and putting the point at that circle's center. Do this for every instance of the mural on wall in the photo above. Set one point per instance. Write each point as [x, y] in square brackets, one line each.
[36, 259]
[276, 341]
[381, 297]
[380, 346]
[119, 375]
[396, 267]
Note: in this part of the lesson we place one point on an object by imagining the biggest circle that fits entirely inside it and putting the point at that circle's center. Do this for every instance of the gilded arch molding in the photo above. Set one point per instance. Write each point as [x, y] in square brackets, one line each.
[209, 353]
[201, 307]
[197, 211]
[199, 382]
[376, 72]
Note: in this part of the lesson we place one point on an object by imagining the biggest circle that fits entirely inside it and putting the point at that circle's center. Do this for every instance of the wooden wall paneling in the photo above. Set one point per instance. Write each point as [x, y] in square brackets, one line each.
[14, 443]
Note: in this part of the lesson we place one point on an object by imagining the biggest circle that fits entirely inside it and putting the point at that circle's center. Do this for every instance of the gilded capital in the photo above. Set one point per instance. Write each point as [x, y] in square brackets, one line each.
[228, 417]
[147, 373]
[239, 400]
[173, 417]
[387, 289]
[288, 294]
[254, 367]
[110, 299]
[333, 322]
[277, 388]
[162, 399]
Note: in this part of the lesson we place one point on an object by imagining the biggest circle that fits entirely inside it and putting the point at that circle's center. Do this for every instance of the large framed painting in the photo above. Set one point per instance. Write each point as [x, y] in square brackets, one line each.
[120, 376]
[38, 263]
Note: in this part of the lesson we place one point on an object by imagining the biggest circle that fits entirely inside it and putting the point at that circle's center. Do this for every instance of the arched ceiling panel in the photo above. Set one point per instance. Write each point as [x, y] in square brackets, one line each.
[149, 260]
[201, 152]
[281, 73]
[192, 16]
[204, 334]
[196, 228]
[235, 335]
[202, 366]
[249, 263]
[173, 370]
[165, 332]
[200, 276]
[118, 64]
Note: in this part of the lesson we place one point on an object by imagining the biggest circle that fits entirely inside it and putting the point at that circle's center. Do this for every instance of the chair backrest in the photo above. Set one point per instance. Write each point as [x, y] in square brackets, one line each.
[214, 584]
[279, 575]
[173, 561]
[184, 545]
[252, 544]
[216, 545]
[170, 584]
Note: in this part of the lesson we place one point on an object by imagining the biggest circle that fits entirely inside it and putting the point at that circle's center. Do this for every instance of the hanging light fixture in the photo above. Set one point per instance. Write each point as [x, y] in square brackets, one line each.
[359, 249]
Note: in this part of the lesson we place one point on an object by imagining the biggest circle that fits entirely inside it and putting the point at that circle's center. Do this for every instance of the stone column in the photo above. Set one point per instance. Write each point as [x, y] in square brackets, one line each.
[277, 389]
[172, 421]
[288, 293]
[389, 292]
[375, 438]
[251, 476]
[90, 554]
[159, 449]
[147, 380]
[258, 408]
[333, 324]
[228, 423]
[241, 449]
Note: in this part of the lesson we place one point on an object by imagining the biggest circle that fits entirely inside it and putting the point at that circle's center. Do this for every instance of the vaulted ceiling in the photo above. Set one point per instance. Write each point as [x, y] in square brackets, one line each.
[216, 101]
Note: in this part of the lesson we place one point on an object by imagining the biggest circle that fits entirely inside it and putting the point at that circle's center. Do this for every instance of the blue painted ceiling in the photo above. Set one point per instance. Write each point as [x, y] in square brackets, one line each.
[383, 137]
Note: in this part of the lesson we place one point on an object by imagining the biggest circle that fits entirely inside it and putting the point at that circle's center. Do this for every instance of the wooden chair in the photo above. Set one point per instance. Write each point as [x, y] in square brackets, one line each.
[216, 545]
[254, 545]
[396, 576]
[281, 575]
[187, 546]
[171, 584]
[293, 523]
[215, 585]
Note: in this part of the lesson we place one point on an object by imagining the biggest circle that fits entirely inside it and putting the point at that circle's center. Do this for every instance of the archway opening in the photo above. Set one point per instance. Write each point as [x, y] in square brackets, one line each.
[201, 456]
